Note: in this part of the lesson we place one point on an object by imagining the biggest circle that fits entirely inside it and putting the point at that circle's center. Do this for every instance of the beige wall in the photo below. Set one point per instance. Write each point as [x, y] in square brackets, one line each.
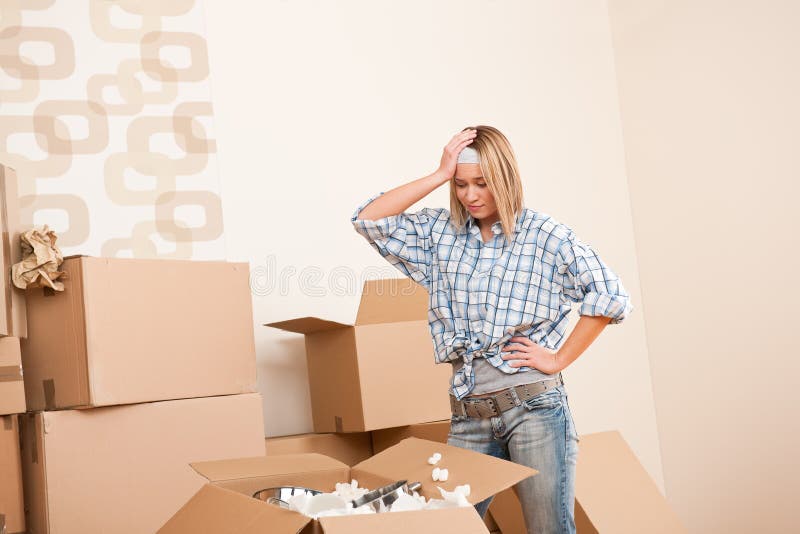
[708, 94]
[320, 104]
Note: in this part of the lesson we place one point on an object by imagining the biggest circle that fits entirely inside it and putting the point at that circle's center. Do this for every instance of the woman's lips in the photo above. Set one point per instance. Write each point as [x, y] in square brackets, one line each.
[473, 208]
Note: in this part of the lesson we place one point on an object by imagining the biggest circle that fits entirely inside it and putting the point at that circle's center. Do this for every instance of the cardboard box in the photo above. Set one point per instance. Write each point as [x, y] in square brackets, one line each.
[347, 448]
[488, 521]
[380, 371]
[250, 475]
[613, 493]
[11, 495]
[218, 505]
[215, 510]
[616, 493]
[434, 431]
[125, 469]
[507, 513]
[351, 449]
[12, 300]
[505, 504]
[133, 330]
[12, 390]
[437, 431]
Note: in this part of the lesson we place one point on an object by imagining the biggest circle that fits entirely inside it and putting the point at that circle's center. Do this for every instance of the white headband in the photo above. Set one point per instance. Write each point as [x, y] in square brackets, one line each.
[468, 155]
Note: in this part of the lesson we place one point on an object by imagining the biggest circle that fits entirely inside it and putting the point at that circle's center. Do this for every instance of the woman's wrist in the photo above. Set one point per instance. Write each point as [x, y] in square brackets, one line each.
[440, 177]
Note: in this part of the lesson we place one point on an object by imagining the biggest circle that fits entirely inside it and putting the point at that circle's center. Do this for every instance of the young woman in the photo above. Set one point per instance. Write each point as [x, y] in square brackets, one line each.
[501, 280]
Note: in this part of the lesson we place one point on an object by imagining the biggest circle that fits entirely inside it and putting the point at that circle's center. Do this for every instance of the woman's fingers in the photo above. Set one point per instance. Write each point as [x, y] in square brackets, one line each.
[448, 162]
[462, 144]
[462, 137]
[456, 149]
[515, 347]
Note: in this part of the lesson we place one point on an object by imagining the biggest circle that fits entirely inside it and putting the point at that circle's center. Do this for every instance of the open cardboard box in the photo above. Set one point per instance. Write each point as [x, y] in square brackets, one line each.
[379, 372]
[225, 504]
[352, 448]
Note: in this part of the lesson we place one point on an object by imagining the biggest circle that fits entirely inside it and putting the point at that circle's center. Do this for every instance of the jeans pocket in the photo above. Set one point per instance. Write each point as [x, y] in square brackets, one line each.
[546, 400]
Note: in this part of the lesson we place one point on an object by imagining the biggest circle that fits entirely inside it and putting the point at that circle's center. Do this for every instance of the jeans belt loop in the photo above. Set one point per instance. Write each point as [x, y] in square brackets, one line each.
[513, 392]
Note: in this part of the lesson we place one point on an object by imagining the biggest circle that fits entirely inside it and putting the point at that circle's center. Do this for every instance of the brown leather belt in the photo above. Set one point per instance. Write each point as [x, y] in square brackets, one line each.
[500, 401]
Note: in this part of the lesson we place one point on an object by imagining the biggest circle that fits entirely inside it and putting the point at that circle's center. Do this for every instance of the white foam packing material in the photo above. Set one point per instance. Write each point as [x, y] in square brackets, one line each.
[458, 496]
[349, 491]
[339, 502]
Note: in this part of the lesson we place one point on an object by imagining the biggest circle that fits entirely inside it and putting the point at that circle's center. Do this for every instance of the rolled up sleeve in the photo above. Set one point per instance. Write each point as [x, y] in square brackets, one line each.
[585, 278]
[404, 240]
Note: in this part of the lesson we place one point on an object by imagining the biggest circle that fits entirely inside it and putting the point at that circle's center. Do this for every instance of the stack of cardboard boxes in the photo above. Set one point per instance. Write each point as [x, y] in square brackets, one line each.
[12, 402]
[136, 369]
[12, 391]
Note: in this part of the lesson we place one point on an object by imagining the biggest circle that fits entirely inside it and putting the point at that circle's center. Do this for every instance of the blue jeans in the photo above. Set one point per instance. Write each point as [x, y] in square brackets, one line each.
[539, 434]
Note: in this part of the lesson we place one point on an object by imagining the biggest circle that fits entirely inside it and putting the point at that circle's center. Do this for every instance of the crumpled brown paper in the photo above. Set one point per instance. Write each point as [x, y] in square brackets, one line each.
[40, 261]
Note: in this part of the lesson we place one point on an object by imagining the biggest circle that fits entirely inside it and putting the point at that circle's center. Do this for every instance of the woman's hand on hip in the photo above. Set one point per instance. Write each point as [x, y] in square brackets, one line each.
[526, 353]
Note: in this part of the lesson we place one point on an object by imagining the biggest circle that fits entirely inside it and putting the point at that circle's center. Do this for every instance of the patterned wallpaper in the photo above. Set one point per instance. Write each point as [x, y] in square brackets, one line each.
[105, 112]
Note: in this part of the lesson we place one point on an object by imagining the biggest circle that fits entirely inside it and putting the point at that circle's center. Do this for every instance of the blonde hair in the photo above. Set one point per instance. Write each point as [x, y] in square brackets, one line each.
[500, 172]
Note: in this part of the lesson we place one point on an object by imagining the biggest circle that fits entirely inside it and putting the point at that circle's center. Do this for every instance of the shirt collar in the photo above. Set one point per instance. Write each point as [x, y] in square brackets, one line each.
[497, 227]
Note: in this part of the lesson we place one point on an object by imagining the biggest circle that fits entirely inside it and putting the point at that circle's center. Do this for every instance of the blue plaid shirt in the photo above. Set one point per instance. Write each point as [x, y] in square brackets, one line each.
[483, 294]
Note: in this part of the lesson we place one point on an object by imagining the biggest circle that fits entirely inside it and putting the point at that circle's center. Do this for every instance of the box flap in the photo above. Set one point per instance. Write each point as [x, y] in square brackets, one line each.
[262, 466]
[434, 431]
[220, 511]
[408, 460]
[462, 520]
[507, 513]
[306, 325]
[392, 300]
[616, 493]
[348, 448]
